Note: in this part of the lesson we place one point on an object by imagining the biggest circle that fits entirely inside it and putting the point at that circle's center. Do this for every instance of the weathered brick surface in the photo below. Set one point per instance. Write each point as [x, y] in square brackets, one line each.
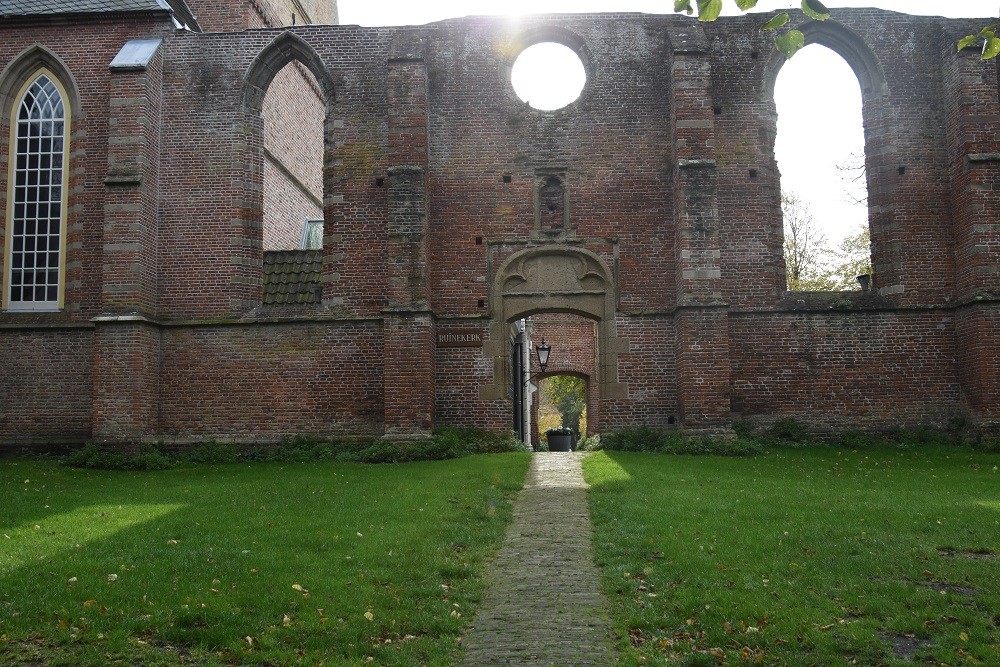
[46, 390]
[126, 381]
[845, 370]
[649, 369]
[430, 179]
[263, 382]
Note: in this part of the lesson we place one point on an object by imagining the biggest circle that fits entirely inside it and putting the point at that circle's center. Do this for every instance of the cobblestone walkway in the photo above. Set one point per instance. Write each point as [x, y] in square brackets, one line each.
[543, 604]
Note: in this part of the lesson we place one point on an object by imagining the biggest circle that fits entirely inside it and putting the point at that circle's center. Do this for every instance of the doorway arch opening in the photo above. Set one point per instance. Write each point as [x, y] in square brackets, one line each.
[569, 291]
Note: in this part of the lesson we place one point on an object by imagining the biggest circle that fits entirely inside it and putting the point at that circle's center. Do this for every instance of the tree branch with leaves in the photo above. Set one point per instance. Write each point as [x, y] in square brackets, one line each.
[787, 41]
[790, 41]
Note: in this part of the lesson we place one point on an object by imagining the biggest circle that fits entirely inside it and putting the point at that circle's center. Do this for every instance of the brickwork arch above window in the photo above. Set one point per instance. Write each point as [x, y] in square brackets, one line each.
[24, 67]
[845, 43]
[285, 48]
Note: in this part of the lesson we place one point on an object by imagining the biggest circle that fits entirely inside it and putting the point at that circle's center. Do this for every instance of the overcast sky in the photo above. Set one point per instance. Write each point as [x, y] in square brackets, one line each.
[815, 89]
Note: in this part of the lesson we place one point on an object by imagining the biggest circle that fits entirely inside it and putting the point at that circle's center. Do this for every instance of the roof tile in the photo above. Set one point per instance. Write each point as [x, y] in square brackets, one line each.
[37, 7]
[292, 277]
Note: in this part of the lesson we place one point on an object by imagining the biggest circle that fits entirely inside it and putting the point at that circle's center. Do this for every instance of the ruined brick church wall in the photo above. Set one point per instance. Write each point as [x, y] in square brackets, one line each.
[278, 372]
[612, 146]
[877, 367]
[431, 172]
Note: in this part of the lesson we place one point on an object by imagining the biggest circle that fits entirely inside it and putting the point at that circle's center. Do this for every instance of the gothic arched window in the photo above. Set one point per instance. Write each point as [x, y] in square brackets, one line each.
[36, 213]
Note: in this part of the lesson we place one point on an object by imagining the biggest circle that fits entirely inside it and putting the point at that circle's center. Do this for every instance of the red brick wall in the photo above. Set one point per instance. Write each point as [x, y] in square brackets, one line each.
[126, 381]
[978, 351]
[649, 369]
[842, 371]
[46, 386]
[265, 382]
[459, 372]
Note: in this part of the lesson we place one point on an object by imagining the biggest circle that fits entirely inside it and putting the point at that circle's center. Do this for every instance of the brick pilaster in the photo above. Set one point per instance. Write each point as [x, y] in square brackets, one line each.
[701, 320]
[126, 343]
[409, 324]
[974, 132]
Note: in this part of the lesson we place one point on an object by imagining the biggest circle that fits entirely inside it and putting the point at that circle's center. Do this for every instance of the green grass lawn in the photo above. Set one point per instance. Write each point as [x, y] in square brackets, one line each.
[278, 564]
[801, 557]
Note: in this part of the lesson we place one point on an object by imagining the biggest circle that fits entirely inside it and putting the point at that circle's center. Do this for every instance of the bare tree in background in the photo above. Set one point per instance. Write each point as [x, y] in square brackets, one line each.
[805, 248]
[853, 174]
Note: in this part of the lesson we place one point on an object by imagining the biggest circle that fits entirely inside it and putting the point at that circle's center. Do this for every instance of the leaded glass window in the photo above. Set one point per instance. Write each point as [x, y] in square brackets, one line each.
[35, 256]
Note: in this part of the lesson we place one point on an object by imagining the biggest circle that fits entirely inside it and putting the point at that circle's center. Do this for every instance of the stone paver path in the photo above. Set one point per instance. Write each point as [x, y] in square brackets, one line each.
[543, 604]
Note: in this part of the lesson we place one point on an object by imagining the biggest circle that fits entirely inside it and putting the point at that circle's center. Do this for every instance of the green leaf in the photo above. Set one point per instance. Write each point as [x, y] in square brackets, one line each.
[991, 49]
[746, 4]
[790, 42]
[815, 10]
[967, 41]
[709, 10]
[683, 6]
[776, 22]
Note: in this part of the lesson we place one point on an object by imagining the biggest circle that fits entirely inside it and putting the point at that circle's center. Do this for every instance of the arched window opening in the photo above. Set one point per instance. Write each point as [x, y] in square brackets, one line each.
[293, 113]
[820, 152]
[36, 213]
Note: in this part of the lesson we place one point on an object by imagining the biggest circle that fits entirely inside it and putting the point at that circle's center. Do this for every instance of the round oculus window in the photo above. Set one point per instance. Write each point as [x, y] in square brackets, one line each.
[548, 76]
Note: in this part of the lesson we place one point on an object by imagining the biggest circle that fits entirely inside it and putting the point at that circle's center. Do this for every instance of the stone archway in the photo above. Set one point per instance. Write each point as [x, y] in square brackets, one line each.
[554, 278]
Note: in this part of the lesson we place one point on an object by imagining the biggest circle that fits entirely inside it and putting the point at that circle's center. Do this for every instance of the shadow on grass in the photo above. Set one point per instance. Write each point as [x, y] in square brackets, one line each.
[261, 562]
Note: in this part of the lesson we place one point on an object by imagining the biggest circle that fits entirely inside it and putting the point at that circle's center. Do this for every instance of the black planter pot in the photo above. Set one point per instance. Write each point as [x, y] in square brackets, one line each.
[560, 442]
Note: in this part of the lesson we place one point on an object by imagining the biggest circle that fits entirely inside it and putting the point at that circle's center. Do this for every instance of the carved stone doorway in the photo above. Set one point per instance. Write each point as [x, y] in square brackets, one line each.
[554, 279]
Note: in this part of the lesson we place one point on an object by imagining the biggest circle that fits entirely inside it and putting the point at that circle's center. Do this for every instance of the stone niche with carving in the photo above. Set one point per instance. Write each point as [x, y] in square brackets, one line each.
[551, 203]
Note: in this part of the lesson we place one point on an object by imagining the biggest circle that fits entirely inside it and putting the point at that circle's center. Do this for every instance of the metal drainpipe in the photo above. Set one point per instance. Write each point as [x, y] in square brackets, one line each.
[526, 379]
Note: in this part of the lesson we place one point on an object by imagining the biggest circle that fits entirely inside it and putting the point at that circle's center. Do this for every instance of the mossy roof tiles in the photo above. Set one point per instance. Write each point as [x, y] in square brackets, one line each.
[292, 277]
